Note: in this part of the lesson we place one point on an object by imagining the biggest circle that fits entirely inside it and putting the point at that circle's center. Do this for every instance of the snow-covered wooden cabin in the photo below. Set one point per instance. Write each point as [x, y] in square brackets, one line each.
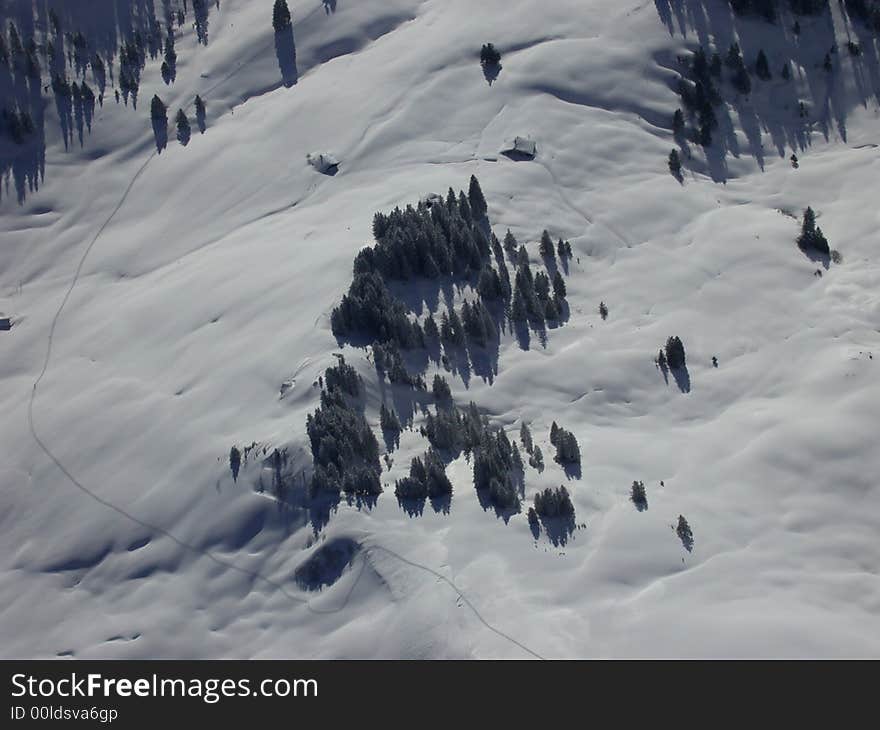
[522, 147]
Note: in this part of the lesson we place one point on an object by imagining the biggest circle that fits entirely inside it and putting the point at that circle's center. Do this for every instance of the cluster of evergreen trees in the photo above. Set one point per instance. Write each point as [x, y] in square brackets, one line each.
[811, 237]
[489, 55]
[388, 361]
[19, 55]
[639, 496]
[700, 96]
[683, 530]
[536, 457]
[427, 478]
[344, 450]
[437, 239]
[17, 124]
[497, 464]
[553, 503]
[388, 420]
[567, 449]
[673, 355]
[866, 11]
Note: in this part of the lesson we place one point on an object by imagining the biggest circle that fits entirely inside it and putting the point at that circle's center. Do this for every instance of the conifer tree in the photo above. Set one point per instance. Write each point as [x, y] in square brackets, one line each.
[183, 128]
[510, 243]
[558, 286]
[762, 67]
[476, 199]
[675, 164]
[546, 247]
[158, 110]
[525, 435]
[280, 15]
[234, 462]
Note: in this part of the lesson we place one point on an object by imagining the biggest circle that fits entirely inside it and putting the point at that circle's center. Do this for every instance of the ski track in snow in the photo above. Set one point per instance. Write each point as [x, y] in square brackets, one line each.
[162, 531]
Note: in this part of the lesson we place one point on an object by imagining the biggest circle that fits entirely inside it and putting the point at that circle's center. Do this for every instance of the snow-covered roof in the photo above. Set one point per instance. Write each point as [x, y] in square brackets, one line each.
[322, 161]
[523, 146]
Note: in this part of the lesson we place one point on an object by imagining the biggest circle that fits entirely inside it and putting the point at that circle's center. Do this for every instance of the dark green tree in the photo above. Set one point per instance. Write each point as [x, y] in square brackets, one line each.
[280, 15]
[476, 199]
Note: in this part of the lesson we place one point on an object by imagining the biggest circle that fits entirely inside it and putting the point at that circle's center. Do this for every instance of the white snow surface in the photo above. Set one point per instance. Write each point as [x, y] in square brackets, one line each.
[211, 271]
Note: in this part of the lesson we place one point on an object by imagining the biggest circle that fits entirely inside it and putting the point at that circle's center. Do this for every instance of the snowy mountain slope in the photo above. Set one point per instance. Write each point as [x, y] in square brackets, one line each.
[212, 282]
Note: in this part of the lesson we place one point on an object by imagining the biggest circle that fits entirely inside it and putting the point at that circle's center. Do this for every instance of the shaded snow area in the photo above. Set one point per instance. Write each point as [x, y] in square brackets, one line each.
[170, 291]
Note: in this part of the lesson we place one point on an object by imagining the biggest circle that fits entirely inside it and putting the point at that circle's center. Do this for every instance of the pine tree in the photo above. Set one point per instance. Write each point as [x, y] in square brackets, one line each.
[440, 389]
[546, 247]
[558, 286]
[510, 243]
[675, 356]
[476, 199]
[431, 331]
[388, 420]
[525, 435]
[678, 122]
[675, 164]
[280, 15]
[811, 236]
[786, 71]
[683, 530]
[762, 67]
[183, 128]
[639, 496]
[158, 110]
[489, 55]
[234, 462]
[537, 459]
[603, 311]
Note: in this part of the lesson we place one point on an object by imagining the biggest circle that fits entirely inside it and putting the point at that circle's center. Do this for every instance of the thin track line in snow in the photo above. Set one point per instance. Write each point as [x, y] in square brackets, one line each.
[161, 530]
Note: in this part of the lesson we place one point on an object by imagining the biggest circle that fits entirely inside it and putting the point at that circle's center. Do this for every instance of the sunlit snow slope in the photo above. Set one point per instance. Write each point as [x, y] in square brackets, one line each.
[212, 269]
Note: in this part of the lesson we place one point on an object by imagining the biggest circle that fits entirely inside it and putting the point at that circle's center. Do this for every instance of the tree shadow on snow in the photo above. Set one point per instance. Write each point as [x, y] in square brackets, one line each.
[786, 111]
[285, 50]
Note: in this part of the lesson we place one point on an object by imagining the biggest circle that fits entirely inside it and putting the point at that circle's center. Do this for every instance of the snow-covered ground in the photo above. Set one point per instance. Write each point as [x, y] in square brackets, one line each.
[193, 283]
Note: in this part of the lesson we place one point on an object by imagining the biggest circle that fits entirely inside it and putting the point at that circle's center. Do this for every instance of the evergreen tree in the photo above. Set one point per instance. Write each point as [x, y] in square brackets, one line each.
[388, 420]
[786, 71]
[183, 128]
[489, 55]
[510, 243]
[826, 64]
[546, 247]
[675, 356]
[638, 496]
[234, 462]
[603, 311]
[525, 435]
[280, 16]
[675, 164]
[683, 530]
[762, 67]
[158, 110]
[431, 331]
[811, 236]
[476, 199]
[558, 286]
[678, 122]
[537, 459]
[440, 389]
